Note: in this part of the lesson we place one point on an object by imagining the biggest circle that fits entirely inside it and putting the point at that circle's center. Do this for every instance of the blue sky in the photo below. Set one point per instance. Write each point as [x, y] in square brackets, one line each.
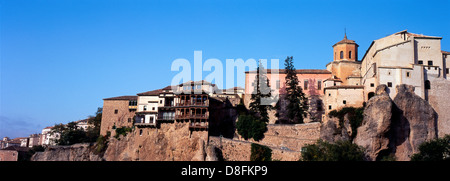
[60, 58]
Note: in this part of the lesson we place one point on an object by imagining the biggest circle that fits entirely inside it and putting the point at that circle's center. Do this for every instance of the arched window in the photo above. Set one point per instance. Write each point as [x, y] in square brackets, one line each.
[342, 54]
[349, 54]
[427, 84]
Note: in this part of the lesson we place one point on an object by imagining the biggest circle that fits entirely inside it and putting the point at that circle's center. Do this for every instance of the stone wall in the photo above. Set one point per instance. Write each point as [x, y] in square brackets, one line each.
[123, 117]
[236, 150]
[438, 98]
[285, 141]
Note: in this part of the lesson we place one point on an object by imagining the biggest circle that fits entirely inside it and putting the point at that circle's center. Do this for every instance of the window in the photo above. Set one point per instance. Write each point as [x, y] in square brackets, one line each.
[151, 119]
[329, 94]
[430, 62]
[116, 111]
[329, 107]
[145, 108]
[344, 102]
[160, 101]
[319, 84]
[140, 132]
[305, 85]
[389, 84]
[407, 74]
[427, 84]
[420, 62]
[350, 54]
[446, 71]
[372, 85]
[153, 108]
[342, 55]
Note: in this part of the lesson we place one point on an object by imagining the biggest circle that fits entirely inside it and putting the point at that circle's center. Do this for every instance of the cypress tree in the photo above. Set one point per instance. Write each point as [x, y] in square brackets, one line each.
[261, 94]
[297, 102]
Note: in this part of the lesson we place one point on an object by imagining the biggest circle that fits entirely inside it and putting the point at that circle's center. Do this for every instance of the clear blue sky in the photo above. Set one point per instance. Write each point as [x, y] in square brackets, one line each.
[60, 58]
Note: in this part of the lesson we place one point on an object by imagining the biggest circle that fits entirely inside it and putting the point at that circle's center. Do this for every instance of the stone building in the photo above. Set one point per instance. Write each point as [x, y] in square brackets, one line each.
[118, 112]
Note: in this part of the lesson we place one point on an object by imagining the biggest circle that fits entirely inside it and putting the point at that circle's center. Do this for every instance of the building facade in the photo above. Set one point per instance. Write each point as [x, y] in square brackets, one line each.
[118, 112]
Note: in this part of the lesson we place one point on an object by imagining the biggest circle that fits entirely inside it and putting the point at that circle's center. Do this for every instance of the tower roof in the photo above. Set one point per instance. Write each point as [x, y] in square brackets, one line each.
[345, 41]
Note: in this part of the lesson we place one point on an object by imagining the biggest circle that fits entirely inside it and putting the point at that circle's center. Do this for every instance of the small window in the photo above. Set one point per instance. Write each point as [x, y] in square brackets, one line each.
[407, 74]
[305, 85]
[430, 62]
[145, 108]
[427, 84]
[140, 132]
[160, 101]
[344, 102]
[420, 62]
[389, 84]
[350, 54]
[153, 108]
[329, 94]
[329, 107]
[372, 85]
[116, 111]
[319, 84]
[446, 71]
[342, 55]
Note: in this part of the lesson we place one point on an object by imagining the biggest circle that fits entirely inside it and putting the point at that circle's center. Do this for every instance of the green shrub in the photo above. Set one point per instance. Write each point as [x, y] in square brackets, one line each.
[250, 127]
[340, 151]
[260, 153]
[355, 116]
[434, 150]
[122, 131]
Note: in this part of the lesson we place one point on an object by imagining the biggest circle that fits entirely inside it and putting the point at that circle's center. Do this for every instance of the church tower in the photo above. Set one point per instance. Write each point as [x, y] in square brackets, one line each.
[345, 50]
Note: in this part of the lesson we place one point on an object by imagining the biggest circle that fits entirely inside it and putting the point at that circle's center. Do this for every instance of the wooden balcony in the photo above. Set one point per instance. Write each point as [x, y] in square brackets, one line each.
[198, 125]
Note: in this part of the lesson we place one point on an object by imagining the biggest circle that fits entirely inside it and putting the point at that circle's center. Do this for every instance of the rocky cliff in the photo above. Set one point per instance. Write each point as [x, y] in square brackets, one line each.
[76, 152]
[396, 127]
[170, 142]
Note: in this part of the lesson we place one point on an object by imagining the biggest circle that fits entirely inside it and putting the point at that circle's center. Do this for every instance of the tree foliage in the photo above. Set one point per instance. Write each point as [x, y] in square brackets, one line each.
[340, 151]
[260, 153]
[434, 150]
[297, 102]
[250, 127]
[261, 95]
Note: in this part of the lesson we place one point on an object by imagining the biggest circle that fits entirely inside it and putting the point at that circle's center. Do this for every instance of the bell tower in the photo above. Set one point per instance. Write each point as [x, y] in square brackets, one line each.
[345, 50]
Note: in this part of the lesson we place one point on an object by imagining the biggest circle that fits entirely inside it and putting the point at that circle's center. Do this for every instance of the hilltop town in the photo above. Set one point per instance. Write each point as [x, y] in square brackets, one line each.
[196, 120]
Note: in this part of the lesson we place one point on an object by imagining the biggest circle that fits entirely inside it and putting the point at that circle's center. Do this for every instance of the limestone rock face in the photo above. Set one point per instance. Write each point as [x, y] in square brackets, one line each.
[373, 134]
[170, 142]
[414, 122]
[76, 152]
[331, 131]
[396, 127]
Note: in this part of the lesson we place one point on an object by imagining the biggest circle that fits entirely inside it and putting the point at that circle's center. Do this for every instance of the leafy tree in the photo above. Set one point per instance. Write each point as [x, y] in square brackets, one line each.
[340, 151]
[260, 153]
[297, 102]
[250, 127]
[261, 95]
[434, 150]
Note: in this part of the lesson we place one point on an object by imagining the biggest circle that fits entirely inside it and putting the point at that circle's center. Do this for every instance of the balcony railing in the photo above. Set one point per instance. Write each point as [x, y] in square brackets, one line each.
[195, 116]
[192, 104]
[201, 125]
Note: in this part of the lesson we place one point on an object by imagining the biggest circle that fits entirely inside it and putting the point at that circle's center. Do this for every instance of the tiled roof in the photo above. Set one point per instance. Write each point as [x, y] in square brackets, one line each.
[298, 71]
[122, 98]
[345, 87]
[445, 52]
[345, 41]
[151, 93]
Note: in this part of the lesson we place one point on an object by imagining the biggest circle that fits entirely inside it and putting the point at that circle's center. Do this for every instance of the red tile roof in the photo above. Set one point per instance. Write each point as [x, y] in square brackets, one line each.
[298, 71]
[122, 98]
[151, 93]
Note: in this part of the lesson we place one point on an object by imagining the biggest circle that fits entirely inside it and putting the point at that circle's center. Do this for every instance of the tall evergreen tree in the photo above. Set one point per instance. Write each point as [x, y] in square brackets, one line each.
[297, 102]
[261, 94]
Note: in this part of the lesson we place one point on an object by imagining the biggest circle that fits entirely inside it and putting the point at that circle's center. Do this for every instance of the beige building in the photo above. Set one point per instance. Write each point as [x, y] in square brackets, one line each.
[403, 58]
[344, 87]
[117, 112]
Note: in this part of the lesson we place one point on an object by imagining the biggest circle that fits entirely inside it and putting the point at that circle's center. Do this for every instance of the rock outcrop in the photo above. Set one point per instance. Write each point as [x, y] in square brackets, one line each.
[76, 152]
[374, 133]
[170, 142]
[396, 127]
[414, 122]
